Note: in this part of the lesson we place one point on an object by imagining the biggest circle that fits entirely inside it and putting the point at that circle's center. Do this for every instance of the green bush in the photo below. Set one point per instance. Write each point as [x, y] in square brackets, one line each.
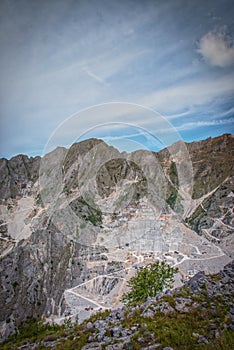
[149, 281]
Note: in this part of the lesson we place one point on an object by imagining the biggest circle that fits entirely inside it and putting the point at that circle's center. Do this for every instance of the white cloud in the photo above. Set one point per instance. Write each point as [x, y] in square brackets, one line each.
[94, 76]
[178, 115]
[199, 124]
[225, 113]
[188, 95]
[216, 50]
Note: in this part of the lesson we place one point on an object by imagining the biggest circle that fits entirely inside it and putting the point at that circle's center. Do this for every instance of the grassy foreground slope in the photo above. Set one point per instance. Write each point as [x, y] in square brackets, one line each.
[200, 315]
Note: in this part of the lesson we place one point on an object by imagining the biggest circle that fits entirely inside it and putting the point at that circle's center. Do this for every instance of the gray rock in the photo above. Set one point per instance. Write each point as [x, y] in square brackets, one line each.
[196, 335]
[100, 324]
[225, 279]
[107, 340]
[125, 332]
[115, 332]
[100, 338]
[29, 346]
[213, 326]
[141, 340]
[149, 313]
[101, 335]
[92, 346]
[182, 304]
[203, 340]
[125, 339]
[165, 308]
[117, 314]
[118, 346]
[90, 325]
[196, 281]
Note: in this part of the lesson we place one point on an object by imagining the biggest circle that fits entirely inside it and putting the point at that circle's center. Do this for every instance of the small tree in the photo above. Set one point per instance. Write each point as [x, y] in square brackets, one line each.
[149, 281]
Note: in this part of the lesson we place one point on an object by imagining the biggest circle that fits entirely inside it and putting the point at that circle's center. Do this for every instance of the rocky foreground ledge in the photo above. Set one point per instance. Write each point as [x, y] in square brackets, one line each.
[199, 315]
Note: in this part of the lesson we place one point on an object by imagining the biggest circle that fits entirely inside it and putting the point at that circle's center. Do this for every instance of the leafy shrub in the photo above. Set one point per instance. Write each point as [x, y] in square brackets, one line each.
[149, 281]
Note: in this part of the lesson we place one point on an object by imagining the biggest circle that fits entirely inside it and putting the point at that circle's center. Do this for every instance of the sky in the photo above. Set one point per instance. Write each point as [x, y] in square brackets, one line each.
[127, 71]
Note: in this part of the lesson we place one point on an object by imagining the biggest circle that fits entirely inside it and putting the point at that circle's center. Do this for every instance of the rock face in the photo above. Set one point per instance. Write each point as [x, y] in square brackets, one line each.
[214, 187]
[117, 170]
[17, 175]
[77, 224]
[212, 163]
[214, 216]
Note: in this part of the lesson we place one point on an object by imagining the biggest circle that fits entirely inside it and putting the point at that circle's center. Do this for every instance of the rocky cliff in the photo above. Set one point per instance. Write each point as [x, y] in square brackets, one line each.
[78, 223]
[17, 174]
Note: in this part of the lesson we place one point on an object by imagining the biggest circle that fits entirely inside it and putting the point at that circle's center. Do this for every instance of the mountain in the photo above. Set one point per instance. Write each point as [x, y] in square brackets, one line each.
[78, 223]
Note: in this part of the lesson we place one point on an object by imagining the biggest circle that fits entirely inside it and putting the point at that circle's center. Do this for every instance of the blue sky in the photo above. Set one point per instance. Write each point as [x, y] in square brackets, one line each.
[62, 57]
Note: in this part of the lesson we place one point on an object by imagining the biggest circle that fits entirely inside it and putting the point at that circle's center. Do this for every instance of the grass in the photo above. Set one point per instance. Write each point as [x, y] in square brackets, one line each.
[31, 331]
[175, 329]
[36, 331]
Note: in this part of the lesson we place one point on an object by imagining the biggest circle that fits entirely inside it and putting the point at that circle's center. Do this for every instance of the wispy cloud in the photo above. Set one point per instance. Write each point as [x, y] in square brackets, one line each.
[197, 111]
[59, 59]
[199, 124]
[180, 97]
[216, 49]
[226, 113]
[178, 115]
[94, 76]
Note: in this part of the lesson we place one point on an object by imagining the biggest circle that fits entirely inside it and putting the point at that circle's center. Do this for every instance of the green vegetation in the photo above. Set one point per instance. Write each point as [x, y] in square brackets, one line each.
[82, 225]
[38, 200]
[67, 336]
[95, 218]
[175, 329]
[86, 211]
[178, 329]
[32, 330]
[174, 174]
[184, 319]
[149, 281]
[197, 218]
[174, 200]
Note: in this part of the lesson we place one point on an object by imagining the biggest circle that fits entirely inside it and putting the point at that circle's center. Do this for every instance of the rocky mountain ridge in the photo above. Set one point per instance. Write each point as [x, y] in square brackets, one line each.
[78, 223]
